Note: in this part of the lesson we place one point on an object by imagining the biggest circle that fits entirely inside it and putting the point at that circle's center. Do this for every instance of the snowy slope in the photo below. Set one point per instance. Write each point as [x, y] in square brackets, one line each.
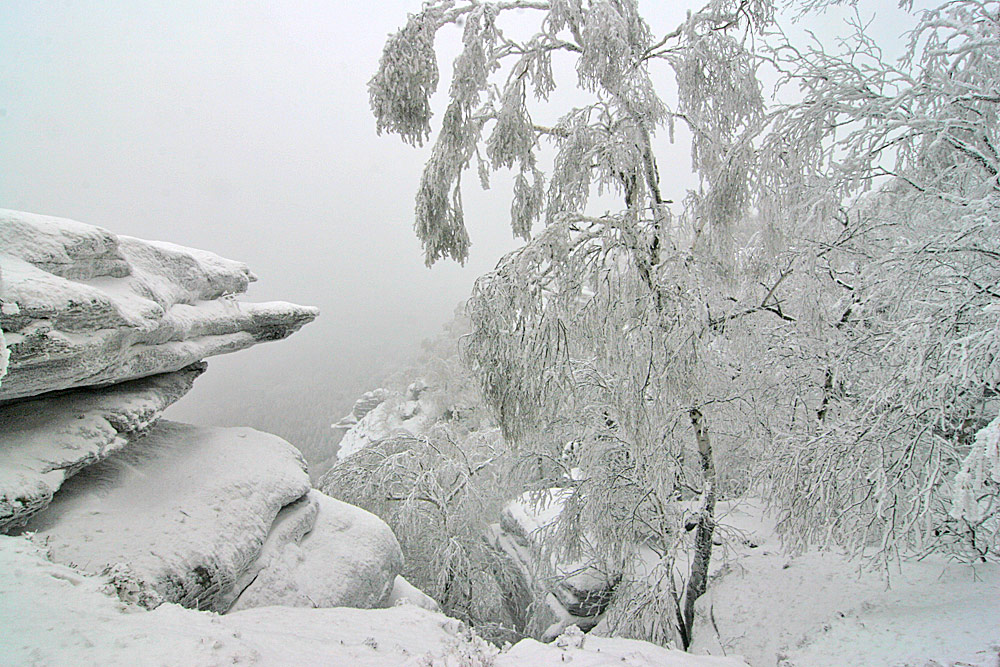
[588, 651]
[821, 609]
[53, 615]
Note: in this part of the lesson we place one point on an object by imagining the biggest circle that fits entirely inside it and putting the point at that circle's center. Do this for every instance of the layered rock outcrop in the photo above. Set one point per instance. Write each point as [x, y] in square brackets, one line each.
[187, 508]
[207, 516]
[104, 332]
[81, 306]
[47, 439]
[368, 402]
[381, 413]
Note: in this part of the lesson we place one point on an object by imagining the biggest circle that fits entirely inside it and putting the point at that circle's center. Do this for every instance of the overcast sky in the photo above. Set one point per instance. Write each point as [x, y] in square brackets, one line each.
[244, 128]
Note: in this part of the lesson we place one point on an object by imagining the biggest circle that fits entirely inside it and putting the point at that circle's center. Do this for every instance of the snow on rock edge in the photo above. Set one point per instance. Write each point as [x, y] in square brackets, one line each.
[185, 508]
[348, 558]
[48, 439]
[82, 306]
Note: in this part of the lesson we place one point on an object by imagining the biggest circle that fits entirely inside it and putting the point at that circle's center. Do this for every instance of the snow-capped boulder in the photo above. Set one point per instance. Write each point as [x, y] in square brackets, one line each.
[403, 592]
[348, 558]
[185, 508]
[82, 306]
[45, 440]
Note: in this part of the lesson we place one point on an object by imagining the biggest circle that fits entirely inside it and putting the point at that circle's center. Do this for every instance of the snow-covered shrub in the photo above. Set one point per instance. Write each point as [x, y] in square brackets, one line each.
[130, 587]
[439, 494]
[429, 461]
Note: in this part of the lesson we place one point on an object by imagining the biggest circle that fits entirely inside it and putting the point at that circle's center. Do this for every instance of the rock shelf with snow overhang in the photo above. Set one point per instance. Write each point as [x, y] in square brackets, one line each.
[82, 306]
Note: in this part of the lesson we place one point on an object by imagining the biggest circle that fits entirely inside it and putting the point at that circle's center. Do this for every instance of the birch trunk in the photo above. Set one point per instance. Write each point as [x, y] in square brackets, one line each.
[698, 578]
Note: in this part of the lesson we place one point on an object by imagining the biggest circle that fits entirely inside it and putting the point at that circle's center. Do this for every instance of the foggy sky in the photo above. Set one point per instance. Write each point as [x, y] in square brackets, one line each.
[244, 128]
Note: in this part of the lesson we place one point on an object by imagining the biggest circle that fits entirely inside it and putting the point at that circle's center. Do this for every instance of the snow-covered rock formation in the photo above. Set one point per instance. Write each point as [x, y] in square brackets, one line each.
[365, 404]
[380, 413]
[347, 558]
[45, 440]
[81, 306]
[188, 510]
[103, 334]
[574, 592]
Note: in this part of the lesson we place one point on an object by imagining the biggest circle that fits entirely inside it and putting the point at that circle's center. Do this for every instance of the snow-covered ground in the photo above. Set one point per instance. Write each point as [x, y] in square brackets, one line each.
[820, 609]
[51, 614]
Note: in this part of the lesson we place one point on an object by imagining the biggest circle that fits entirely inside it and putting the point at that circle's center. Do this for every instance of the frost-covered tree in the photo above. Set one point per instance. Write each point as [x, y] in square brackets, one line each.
[621, 331]
[825, 302]
[889, 176]
[439, 492]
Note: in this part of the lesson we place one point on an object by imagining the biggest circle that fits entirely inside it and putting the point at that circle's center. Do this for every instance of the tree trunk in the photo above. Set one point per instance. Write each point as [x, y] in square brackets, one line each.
[698, 578]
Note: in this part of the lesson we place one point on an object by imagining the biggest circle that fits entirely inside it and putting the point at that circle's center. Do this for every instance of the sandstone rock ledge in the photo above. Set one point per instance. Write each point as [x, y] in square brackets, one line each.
[347, 557]
[208, 516]
[186, 508]
[81, 306]
[46, 440]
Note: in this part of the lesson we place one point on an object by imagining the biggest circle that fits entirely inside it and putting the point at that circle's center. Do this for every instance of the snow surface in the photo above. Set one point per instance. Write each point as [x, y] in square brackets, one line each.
[821, 609]
[48, 439]
[51, 614]
[54, 615]
[590, 651]
[186, 508]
